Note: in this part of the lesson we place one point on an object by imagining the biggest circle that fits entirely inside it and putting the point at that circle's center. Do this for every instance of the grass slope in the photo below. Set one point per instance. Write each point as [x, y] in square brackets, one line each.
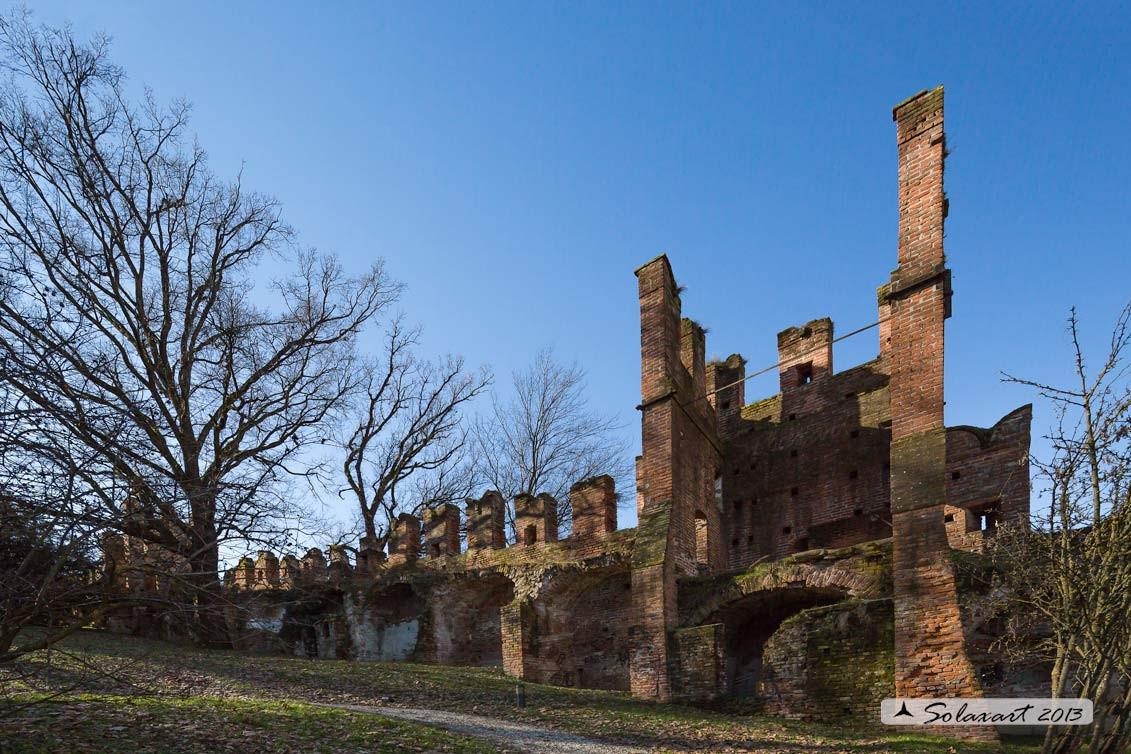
[100, 723]
[242, 695]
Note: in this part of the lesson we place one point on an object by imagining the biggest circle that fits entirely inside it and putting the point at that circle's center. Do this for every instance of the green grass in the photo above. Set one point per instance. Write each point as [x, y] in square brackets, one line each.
[175, 676]
[101, 723]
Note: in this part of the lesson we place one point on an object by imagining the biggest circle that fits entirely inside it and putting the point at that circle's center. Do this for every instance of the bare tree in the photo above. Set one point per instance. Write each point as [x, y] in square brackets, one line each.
[408, 441]
[46, 559]
[544, 437]
[1069, 576]
[128, 315]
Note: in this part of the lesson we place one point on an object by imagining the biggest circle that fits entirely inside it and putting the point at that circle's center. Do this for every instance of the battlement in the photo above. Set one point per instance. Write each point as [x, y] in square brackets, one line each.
[593, 502]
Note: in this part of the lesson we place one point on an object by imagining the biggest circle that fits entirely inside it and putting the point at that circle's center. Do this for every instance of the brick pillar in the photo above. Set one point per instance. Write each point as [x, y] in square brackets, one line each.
[289, 570]
[805, 353]
[114, 559]
[245, 574]
[266, 570]
[404, 544]
[370, 555]
[339, 568]
[485, 522]
[516, 622]
[313, 565]
[653, 575]
[441, 530]
[535, 519]
[930, 653]
[883, 314]
[692, 354]
[594, 505]
[727, 377]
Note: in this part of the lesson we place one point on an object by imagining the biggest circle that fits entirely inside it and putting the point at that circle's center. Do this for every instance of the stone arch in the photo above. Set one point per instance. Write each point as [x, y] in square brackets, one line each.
[849, 582]
[751, 607]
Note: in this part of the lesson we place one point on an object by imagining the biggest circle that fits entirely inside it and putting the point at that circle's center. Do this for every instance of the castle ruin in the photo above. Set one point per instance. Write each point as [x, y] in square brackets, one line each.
[797, 548]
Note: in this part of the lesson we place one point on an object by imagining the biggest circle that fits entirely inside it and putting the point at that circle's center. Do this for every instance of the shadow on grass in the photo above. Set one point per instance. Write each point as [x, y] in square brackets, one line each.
[156, 667]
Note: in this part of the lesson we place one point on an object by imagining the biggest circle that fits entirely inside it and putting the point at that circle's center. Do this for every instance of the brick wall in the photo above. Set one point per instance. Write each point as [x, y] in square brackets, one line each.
[466, 620]
[698, 663]
[576, 630]
[808, 468]
[828, 663]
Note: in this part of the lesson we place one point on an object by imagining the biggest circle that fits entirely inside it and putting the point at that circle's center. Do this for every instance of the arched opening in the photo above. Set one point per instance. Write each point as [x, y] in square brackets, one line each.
[702, 543]
[435, 550]
[750, 621]
[530, 535]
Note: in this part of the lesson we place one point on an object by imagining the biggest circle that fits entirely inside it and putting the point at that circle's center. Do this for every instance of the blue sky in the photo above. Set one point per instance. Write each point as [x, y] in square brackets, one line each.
[514, 162]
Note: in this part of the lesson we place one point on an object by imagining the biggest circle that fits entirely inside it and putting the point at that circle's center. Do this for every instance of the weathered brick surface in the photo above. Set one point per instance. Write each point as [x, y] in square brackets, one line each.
[485, 518]
[808, 468]
[930, 653]
[680, 526]
[404, 544]
[805, 353]
[987, 471]
[266, 570]
[699, 663]
[831, 662]
[441, 531]
[535, 519]
[593, 503]
[466, 620]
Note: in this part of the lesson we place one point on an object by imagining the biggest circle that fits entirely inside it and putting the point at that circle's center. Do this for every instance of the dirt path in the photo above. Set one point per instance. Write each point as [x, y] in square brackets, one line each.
[508, 735]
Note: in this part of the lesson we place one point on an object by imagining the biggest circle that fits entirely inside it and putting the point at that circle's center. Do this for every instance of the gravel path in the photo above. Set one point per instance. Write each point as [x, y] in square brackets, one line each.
[511, 736]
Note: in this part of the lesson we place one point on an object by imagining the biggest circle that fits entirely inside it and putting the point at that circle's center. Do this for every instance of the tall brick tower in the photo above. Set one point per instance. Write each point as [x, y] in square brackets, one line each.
[679, 529]
[930, 654]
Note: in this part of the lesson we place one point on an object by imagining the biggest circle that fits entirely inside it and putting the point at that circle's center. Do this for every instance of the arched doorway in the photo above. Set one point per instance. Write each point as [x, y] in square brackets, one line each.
[750, 621]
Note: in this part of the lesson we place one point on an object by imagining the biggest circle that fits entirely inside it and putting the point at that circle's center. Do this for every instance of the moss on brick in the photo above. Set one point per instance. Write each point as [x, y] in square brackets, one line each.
[834, 662]
[651, 544]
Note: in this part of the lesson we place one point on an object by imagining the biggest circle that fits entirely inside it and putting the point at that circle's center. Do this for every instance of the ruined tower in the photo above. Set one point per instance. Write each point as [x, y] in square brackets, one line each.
[930, 656]
[679, 522]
